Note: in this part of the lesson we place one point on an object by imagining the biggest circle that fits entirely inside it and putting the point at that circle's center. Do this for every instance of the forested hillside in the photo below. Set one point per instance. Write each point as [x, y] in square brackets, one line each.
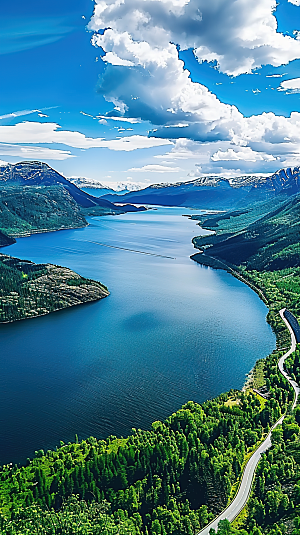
[36, 198]
[171, 479]
[34, 173]
[24, 210]
[29, 290]
[263, 237]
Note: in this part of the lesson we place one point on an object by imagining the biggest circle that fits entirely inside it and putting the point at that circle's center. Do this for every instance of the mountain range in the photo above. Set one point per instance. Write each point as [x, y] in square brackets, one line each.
[34, 173]
[36, 198]
[213, 192]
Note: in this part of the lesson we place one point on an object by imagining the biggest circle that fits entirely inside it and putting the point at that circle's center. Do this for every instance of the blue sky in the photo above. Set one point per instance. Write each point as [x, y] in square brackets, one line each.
[151, 91]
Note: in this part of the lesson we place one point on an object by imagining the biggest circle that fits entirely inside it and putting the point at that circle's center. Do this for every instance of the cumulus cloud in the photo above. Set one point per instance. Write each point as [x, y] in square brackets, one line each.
[186, 149]
[295, 2]
[239, 35]
[244, 153]
[290, 86]
[148, 80]
[34, 132]
[154, 168]
[160, 91]
[201, 159]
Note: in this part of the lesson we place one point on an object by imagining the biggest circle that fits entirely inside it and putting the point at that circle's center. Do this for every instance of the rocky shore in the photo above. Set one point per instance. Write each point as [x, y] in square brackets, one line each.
[30, 290]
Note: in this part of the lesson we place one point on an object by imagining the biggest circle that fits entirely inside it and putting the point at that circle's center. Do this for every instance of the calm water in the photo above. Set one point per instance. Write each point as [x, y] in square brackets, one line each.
[171, 331]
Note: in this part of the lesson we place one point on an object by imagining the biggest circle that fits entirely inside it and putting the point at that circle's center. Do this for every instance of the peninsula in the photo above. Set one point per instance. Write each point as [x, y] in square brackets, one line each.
[29, 290]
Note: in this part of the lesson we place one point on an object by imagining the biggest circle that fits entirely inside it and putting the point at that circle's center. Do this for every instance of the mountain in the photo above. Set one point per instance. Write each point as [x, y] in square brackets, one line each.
[87, 183]
[36, 198]
[33, 173]
[263, 237]
[213, 192]
[120, 188]
[28, 209]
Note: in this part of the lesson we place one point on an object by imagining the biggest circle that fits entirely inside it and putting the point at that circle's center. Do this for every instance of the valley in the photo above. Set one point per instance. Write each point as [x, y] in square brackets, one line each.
[183, 470]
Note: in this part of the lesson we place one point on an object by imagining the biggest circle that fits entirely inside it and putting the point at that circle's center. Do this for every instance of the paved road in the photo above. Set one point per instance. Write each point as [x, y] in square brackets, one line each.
[232, 511]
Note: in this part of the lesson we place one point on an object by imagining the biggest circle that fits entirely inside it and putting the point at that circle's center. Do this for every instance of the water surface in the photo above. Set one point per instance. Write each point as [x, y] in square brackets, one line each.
[170, 331]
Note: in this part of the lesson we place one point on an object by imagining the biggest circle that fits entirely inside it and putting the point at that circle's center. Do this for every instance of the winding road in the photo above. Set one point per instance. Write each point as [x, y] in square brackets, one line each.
[240, 500]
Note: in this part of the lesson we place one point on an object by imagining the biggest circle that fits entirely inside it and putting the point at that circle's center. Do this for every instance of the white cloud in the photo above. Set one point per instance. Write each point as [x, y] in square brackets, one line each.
[34, 132]
[121, 119]
[244, 153]
[267, 128]
[18, 114]
[158, 88]
[41, 153]
[186, 149]
[295, 2]
[275, 75]
[220, 157]
[112, 58]
[14, 114]
[133, 142]
[105, 118]
[239, 35]
[153, 168]
[290, 86]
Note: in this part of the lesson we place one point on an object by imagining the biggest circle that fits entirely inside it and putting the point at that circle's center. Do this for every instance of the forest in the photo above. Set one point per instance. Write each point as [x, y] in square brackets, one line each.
[30, 290]
[173, 478]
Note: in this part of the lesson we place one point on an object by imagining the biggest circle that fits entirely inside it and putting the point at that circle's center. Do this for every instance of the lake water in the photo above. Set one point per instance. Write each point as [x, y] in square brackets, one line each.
[170, 331]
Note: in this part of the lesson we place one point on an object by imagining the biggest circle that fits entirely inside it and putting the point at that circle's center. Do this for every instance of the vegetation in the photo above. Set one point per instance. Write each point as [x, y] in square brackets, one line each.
[29, 290]
[27, 209]
[261, 246]
[172, 479]
[264, 238]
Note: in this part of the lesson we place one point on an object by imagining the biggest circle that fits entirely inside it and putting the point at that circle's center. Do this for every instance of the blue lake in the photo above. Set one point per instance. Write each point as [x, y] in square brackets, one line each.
[170, 331]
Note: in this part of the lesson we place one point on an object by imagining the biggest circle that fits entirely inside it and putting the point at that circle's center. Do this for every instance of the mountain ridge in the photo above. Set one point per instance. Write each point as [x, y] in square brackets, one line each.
[215, 192]
[35, 173]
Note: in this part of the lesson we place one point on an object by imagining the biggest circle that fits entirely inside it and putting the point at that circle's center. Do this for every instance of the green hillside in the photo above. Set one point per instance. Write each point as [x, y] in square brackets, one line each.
[24, 210]
[29, 290]
[171, 479]
[265, 237]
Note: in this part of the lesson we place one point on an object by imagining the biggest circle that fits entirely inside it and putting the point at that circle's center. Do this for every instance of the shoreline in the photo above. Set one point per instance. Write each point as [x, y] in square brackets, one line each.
[40, 289]
[26, 234]
[213, 263]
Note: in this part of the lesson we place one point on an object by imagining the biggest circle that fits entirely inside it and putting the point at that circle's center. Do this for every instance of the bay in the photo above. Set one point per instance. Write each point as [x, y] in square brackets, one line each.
[170, 331]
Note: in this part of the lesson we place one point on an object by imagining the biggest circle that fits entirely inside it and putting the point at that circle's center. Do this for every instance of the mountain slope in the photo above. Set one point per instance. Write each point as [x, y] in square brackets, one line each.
[27, 209]
[33, 173]
[217, 193]
[269, 243]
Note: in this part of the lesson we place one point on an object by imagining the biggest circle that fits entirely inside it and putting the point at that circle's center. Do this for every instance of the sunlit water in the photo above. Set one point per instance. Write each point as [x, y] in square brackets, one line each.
[170, 331]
